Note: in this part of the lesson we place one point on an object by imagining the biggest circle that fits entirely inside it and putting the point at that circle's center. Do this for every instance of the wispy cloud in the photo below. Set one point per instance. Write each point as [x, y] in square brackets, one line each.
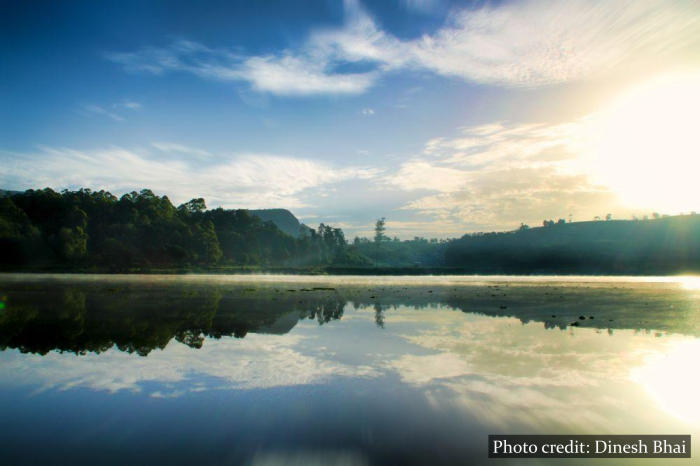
[237, 181]
[515, 44]
[97, 110]
[536, 43]
[129, 105]
[172, 147]
[120, 107]
[303, 73]
[291, 75]
[495, 176]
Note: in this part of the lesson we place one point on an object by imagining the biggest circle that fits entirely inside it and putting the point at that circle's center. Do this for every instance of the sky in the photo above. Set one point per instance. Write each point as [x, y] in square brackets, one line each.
[444, 117]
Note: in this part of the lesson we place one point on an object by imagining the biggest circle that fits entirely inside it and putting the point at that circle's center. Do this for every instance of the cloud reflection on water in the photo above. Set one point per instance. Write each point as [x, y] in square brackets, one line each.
[494, 369]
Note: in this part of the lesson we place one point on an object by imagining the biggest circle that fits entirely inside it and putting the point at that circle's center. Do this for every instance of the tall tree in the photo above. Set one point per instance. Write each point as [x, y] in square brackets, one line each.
[379, 229]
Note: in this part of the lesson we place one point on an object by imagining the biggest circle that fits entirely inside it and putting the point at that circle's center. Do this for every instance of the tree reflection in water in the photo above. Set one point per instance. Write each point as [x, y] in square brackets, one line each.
[138, 318]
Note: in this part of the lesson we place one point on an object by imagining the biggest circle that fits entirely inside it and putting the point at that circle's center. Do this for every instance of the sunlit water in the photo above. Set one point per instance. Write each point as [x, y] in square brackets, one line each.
[337, 370]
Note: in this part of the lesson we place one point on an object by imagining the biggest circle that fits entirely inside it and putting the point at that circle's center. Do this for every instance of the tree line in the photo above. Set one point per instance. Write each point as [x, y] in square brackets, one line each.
[140, 231]
[84, 229]
[665, 245]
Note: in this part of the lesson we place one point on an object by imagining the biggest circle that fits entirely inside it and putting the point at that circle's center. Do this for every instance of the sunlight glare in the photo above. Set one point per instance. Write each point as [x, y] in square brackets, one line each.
[647, 148]
[690, 282]
[672, 381]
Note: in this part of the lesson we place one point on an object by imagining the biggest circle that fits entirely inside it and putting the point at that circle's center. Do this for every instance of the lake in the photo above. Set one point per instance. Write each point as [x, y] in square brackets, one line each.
[265, 370]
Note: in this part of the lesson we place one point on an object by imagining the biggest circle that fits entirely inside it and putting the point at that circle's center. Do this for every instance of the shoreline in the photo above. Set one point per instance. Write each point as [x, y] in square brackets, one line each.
[349, 271]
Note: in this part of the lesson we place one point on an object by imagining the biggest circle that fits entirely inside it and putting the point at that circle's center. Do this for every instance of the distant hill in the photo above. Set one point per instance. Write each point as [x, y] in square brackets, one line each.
[5, 192]
[283, 219]
[658, 246]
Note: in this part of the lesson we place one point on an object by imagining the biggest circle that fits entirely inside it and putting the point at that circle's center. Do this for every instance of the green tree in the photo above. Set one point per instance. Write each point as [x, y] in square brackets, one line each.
[207, 243]
[193, 206]
[379, 229]
[72, 243]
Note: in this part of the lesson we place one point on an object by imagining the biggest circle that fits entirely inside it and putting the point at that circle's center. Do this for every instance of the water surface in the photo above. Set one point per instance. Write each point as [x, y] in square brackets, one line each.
[337, 370]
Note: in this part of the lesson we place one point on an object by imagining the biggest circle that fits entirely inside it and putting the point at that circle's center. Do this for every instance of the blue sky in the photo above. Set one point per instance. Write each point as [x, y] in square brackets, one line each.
[443, 117]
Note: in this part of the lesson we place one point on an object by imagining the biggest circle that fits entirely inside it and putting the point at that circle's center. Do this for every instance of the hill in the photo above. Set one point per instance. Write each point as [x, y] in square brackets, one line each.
[658, 246]
[283, 219]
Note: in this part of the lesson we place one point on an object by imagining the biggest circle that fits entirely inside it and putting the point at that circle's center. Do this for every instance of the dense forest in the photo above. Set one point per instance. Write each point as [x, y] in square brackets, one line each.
[140, 231]
[88, 230]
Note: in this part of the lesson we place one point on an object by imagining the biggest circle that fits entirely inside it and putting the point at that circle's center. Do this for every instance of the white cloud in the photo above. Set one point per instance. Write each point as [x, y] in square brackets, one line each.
[309, 71]
[92, 109]
[536, 43]
[260, 362]
[368, 111]
[495, 176]
[289, 75]
[97, 110]
[129, 105]
[420, 175]
[240, 181]
[171, 147]
[532, 43]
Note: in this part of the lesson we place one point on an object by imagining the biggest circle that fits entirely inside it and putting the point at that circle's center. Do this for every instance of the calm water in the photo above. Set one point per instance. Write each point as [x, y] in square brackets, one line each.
[341, 370]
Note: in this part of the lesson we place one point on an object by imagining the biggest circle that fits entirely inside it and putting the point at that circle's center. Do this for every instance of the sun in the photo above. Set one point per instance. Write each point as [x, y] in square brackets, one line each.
[647, 145]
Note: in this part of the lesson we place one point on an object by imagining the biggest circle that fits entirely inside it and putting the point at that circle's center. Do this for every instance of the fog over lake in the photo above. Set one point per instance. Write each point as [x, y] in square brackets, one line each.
[269, 369]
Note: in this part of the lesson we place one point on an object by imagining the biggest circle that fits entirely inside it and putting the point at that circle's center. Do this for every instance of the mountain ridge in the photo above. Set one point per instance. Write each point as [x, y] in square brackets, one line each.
[283, 219]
